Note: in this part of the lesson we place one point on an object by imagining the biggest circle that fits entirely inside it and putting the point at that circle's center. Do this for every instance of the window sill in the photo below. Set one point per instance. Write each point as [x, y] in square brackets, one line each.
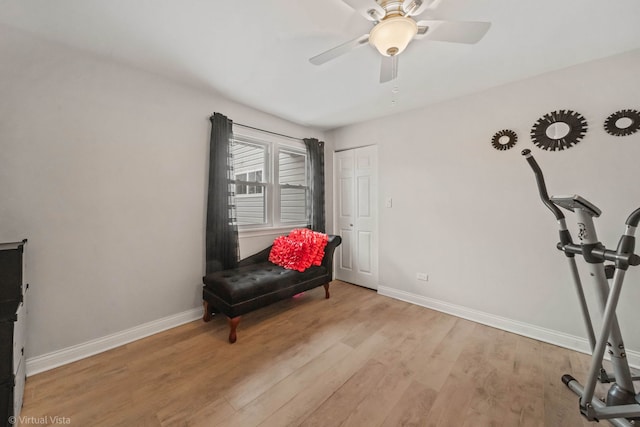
[258, 232]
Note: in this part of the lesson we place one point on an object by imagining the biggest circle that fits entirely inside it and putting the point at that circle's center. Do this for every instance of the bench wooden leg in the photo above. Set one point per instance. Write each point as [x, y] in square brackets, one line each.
[326, 291]
[233, 325]
[207, 311]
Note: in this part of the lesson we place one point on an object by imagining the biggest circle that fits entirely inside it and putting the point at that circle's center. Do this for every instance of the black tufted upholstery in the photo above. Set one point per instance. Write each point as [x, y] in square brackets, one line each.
[257, 282]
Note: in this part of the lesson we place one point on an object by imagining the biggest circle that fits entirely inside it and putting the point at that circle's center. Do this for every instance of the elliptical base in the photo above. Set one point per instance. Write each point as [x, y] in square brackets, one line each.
[597, 410]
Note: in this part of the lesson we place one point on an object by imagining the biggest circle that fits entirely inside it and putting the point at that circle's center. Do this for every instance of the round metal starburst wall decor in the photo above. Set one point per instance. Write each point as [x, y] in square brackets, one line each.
[622, 123]
[559, 130]
[504, 139]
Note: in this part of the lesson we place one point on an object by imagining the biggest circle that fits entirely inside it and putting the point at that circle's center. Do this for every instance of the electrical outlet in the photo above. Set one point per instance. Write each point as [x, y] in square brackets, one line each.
[422, 276]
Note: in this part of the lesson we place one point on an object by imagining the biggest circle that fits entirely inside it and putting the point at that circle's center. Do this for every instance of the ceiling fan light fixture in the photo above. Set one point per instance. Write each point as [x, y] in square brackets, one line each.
[392, 35]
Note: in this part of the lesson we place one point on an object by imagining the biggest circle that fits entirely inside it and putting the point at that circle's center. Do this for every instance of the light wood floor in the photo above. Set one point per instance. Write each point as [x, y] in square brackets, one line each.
[357, 359]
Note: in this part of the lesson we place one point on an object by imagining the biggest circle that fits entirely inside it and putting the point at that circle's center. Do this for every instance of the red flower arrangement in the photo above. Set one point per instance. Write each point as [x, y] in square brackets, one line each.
[301, 249]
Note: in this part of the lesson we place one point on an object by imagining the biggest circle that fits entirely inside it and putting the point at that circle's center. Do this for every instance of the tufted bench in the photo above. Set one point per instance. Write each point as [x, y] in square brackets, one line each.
[257, 283]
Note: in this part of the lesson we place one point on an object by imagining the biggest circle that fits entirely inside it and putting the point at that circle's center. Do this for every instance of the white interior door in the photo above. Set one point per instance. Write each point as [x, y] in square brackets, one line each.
[356, 214]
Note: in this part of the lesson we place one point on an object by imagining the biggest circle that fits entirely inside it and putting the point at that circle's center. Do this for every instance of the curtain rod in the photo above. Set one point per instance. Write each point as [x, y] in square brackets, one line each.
[268, 131]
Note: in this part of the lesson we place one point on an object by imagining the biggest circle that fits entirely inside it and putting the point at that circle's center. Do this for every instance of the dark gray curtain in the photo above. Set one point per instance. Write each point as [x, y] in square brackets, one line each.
[222, 231]
[315, 151]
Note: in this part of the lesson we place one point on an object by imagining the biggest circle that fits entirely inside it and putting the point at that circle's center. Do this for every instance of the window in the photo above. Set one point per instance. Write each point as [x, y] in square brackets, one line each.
[293, 186]
[244, 180]
[271, 181]
[249, 167]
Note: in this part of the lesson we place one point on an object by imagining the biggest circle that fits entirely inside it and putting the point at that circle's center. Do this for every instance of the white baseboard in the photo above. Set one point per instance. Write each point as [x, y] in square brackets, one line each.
[80, 351]
[531, 331]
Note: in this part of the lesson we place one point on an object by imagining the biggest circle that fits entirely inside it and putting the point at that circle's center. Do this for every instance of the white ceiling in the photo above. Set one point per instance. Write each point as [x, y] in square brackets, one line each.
[256, 51]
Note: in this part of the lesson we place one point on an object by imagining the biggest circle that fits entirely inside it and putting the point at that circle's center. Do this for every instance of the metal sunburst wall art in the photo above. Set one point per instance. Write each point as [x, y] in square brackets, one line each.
[559, 130]
[504, 139]
[622, 123]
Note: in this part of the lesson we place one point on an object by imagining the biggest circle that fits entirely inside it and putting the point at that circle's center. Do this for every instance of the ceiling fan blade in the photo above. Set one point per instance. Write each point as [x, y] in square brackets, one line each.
[452, 31]
[388, 68]
[370, 9]
[339, 50]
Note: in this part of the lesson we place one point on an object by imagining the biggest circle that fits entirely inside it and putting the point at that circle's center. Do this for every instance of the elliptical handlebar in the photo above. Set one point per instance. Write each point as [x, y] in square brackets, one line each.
[632, 221]
[634, 218]
[542, 187]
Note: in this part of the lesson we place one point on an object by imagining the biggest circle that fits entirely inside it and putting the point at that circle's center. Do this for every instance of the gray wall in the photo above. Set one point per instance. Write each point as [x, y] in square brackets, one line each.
[103, 168]
[469, 215]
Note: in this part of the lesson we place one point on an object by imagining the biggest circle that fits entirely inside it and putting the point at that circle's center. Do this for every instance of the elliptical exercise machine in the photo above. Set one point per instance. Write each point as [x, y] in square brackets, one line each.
[622, 405]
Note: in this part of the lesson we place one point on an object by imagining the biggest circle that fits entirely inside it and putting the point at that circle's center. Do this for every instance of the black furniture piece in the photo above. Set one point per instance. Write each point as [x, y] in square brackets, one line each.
[12, 330]
[257, 283]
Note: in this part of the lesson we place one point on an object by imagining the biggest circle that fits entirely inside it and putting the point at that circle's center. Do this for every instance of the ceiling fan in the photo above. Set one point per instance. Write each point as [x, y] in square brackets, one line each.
[395, 26]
